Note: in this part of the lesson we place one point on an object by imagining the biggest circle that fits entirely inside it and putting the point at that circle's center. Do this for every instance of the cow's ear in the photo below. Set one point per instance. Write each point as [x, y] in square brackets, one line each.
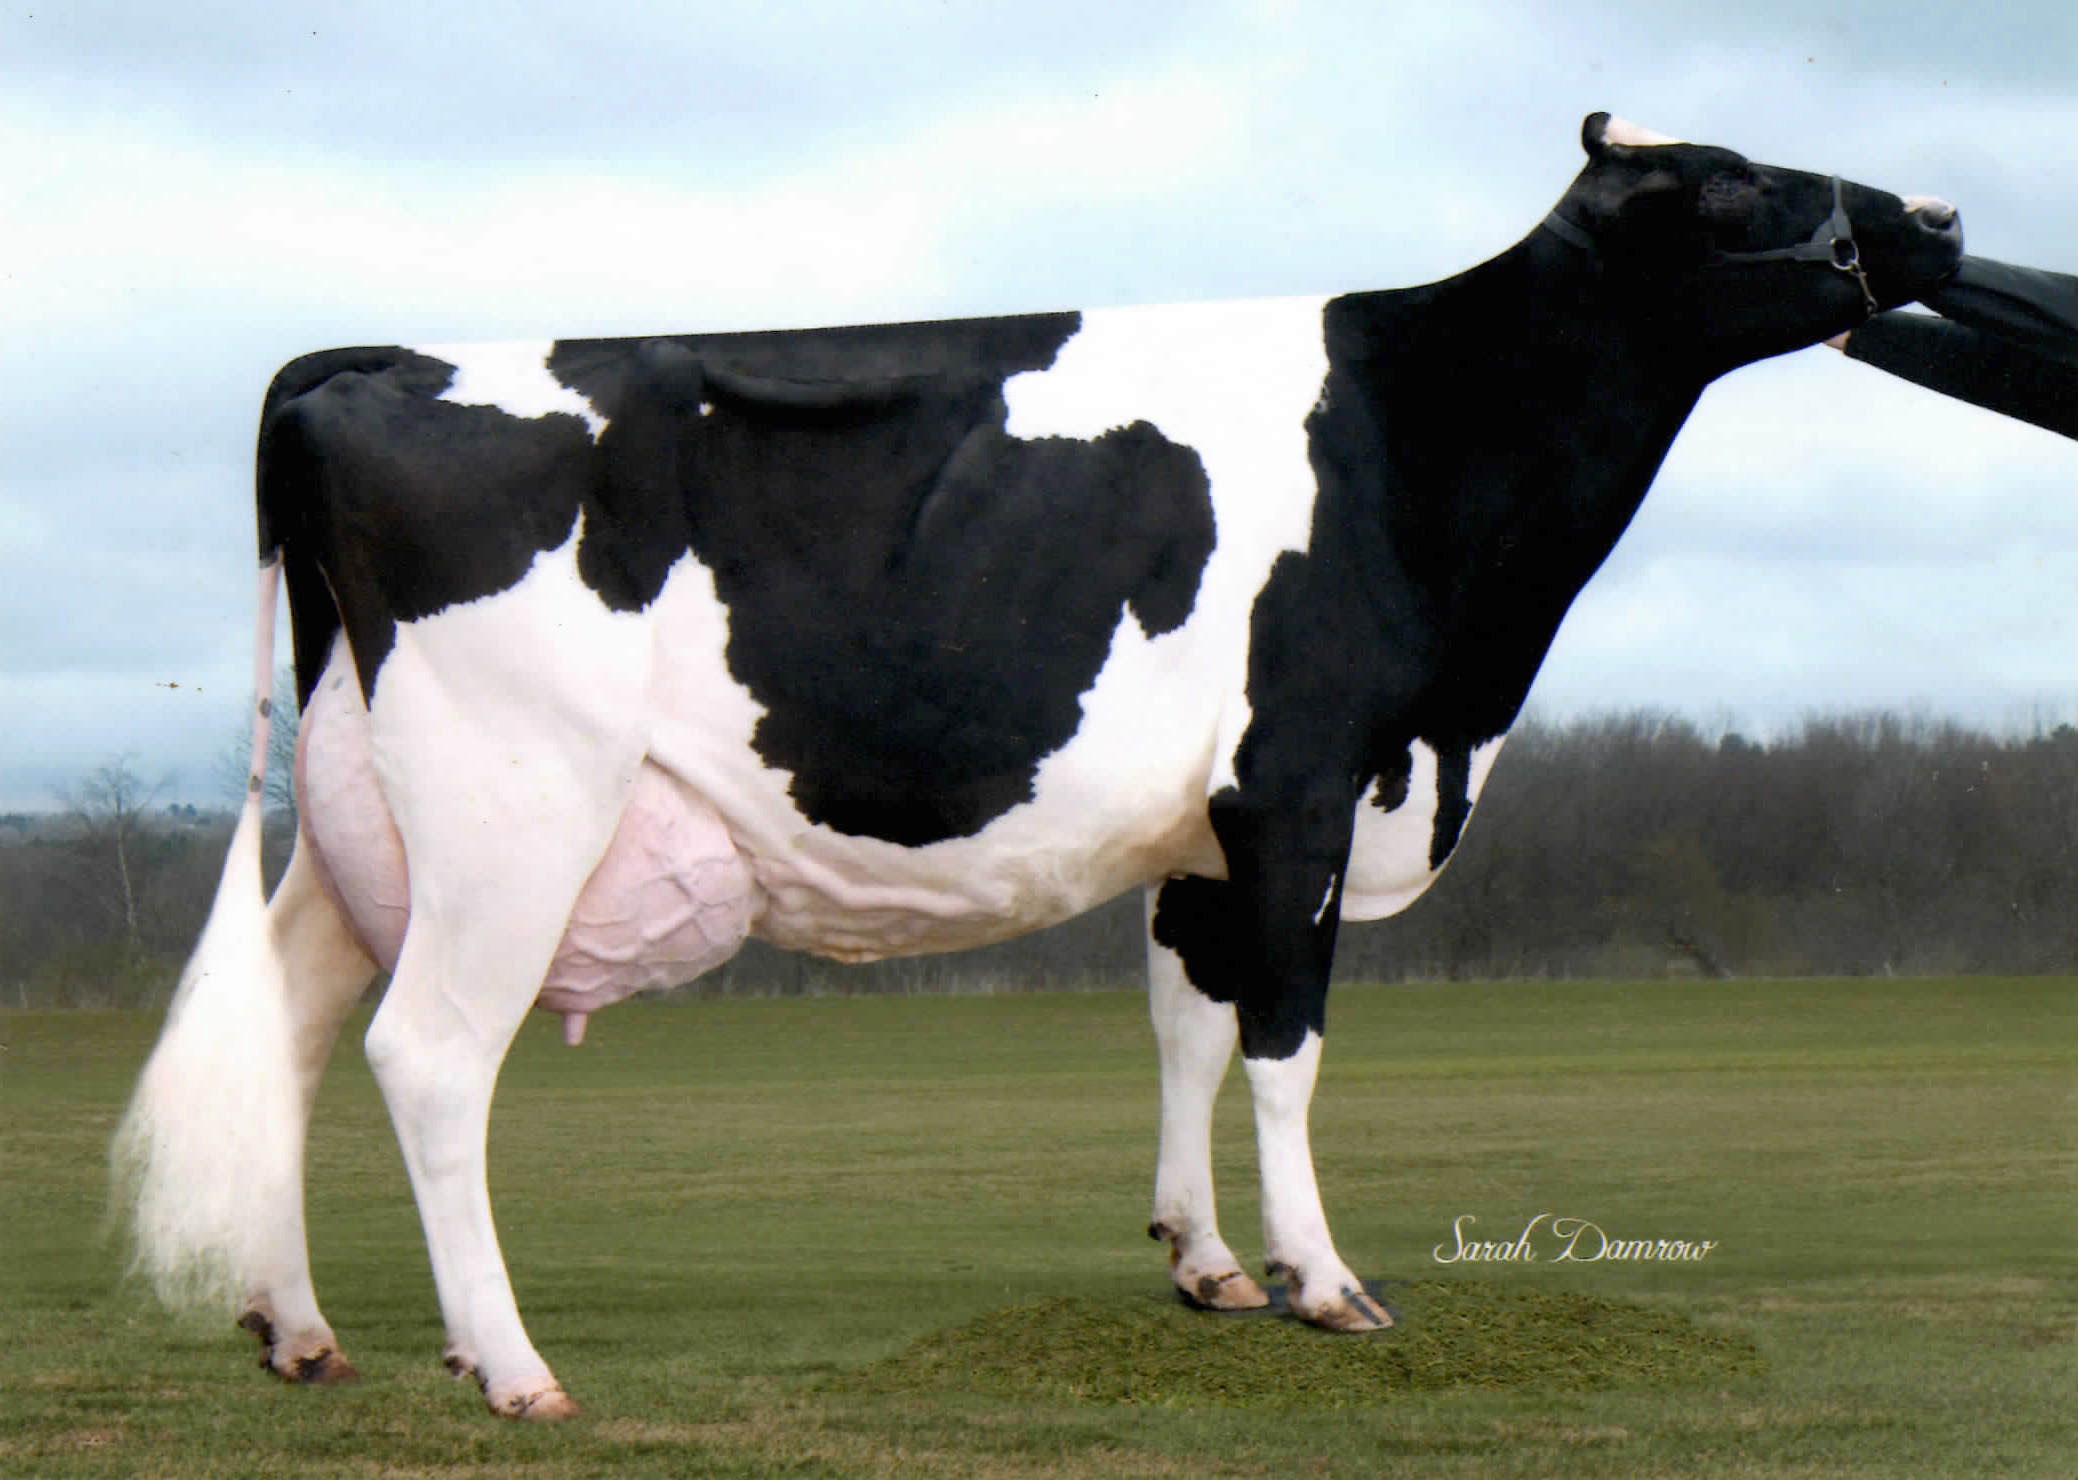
[1594, 133]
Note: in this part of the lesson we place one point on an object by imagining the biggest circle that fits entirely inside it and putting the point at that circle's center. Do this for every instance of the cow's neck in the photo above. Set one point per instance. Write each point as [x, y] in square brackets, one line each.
[1508, 423]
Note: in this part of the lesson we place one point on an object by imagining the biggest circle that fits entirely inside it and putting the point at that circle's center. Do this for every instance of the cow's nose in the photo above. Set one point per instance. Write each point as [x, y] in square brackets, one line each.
[1932, 212]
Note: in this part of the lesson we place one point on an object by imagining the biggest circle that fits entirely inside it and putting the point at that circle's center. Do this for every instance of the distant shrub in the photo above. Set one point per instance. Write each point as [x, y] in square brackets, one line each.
[98, 974]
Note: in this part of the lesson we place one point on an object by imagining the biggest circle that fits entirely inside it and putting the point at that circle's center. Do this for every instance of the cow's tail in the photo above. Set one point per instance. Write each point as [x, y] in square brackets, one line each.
[213, 1134]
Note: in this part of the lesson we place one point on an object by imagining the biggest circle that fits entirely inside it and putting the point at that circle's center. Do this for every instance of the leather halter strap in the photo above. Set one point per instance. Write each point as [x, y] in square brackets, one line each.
[1831, 243]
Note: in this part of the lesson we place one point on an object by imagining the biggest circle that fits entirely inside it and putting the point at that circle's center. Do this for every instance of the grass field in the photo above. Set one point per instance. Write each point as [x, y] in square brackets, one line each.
[739, 1230]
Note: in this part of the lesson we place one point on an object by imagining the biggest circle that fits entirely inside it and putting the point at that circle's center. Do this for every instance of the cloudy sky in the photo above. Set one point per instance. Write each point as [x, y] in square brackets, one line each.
[191, 194]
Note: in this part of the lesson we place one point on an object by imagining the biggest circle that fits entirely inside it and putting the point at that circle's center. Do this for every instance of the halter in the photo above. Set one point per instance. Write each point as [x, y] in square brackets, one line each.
[1832, 243]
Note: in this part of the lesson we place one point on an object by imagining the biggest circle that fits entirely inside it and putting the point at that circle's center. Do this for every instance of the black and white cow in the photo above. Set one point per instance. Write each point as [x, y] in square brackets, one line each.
[908, 638]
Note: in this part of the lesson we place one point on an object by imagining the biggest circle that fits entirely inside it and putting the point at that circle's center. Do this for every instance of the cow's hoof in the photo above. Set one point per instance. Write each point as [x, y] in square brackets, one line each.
[320, 1365]
[537, 1403]
[1350, 1308]
[1221, 1286]
[1233, 1290]
[325, 1368]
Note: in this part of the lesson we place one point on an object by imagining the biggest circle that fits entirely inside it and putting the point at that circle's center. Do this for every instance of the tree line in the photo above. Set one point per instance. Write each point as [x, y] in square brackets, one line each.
[1628, 845]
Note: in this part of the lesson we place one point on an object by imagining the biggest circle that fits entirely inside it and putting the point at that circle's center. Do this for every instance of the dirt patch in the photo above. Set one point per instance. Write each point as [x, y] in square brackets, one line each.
[73, 1441]
[1457, 1334]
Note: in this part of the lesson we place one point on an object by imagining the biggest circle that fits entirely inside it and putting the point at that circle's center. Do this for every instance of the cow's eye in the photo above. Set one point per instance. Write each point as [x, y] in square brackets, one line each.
[1728, 199]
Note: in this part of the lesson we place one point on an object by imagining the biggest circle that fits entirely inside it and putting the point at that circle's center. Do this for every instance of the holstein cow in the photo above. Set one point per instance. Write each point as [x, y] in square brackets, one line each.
[883, 640]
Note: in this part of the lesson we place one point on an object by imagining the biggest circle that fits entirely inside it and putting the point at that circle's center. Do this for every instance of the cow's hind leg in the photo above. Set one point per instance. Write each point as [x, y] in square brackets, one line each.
[485, 921]
[326, 972]
[506, 785]
[461, 990]
[1195, 1037]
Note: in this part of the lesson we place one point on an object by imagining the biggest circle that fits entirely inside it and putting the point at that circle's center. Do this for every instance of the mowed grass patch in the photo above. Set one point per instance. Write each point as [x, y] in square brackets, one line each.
[1455, 1334]
[720, 1215]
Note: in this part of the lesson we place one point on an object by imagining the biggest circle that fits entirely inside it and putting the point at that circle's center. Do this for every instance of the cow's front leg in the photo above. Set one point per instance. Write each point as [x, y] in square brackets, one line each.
[1263, 941]
[1195, 1037]
[1296, 1242]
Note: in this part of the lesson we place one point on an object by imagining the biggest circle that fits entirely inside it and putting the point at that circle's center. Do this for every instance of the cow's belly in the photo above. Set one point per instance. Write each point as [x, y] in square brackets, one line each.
[1119, 806]
[856, 899]
[669, 900]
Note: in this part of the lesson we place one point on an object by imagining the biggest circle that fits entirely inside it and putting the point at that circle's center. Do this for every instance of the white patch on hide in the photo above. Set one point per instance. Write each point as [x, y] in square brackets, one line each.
[1389, 851]
[515, 379]
[1937, 211]
[1635, 135]
[1234, 382]
[1484, 755]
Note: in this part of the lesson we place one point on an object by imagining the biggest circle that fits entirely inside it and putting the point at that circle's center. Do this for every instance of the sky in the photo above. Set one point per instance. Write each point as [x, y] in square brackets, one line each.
[191, 195]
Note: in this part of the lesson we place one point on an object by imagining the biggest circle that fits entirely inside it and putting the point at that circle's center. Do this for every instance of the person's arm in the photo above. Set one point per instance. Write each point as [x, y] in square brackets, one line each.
[1972, 366]
[2023, 306]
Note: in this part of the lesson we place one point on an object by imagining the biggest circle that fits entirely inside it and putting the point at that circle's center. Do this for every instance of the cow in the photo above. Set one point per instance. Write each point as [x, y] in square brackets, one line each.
[903, 638]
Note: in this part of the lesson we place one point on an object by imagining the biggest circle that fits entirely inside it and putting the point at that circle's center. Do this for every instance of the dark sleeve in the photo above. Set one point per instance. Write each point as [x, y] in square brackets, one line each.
[1972, 366]
[2024, 306]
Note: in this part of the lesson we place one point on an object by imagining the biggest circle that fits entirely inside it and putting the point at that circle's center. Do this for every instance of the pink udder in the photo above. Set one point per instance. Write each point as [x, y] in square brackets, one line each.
[669, 900]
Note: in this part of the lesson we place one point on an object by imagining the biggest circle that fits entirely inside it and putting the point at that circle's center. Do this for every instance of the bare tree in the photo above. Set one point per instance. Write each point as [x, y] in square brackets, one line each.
[109, 809]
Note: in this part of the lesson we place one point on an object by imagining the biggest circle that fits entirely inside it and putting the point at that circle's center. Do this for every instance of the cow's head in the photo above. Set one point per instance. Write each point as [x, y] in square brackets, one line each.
[1745, 260]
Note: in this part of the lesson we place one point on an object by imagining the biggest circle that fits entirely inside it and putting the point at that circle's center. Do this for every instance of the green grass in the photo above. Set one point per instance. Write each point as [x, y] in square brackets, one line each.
[800, 1238]
[1455, 1334]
